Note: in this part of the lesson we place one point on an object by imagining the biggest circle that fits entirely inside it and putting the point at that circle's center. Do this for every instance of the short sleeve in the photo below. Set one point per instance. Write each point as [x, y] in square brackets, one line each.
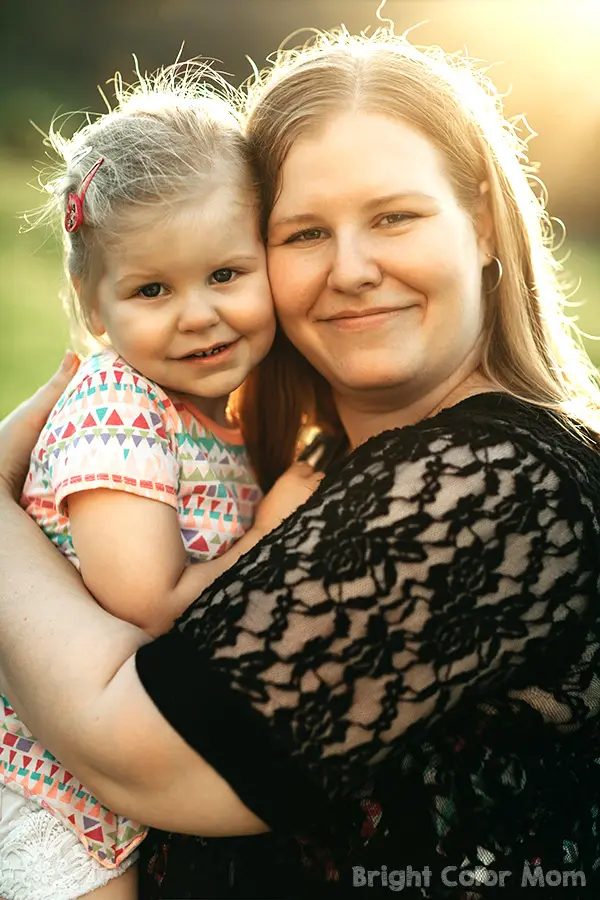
[112, 431]
[433, 570]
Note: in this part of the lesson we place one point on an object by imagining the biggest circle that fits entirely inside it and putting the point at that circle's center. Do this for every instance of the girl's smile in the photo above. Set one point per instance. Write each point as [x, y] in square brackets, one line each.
[185, 298]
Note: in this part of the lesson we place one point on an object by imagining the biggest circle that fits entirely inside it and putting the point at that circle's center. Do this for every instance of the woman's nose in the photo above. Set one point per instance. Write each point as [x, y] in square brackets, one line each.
[197, 313]
[353, 269]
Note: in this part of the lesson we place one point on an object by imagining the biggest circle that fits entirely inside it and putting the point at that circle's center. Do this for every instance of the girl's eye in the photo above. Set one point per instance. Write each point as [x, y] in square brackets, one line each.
[222, 276]
[311, 234]
[151, 290]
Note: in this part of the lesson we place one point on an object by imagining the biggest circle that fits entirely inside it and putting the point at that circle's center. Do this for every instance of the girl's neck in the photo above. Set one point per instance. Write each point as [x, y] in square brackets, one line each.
[213, 408]
[364, 417]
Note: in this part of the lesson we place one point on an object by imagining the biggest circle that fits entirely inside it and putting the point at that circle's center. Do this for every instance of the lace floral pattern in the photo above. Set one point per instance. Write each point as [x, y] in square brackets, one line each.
[429, 622]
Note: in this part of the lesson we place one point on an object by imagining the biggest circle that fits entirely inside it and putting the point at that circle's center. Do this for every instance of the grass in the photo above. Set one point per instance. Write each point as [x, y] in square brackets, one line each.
[33, 327]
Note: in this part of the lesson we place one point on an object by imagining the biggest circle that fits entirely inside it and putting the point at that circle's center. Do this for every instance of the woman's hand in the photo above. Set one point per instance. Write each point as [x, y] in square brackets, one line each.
[20, 430]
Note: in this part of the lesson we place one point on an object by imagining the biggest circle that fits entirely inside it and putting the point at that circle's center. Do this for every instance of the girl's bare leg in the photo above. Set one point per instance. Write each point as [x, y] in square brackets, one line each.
[122, 888]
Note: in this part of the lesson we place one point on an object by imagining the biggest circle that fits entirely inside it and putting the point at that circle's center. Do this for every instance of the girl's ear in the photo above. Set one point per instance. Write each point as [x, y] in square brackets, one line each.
[96, 322]
[484, 222]
[89, 301]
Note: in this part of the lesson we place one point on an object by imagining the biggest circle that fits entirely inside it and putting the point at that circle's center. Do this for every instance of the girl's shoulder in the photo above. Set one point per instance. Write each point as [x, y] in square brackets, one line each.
[108, 367]
[107, 390]
[112, 375]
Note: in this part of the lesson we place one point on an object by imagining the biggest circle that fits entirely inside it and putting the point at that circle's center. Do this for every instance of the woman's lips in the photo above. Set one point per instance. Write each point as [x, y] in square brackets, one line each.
[364, 320]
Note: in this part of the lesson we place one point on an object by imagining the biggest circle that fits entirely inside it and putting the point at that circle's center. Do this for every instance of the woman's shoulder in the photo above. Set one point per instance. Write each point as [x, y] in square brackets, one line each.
[490, 439]
[491, 419]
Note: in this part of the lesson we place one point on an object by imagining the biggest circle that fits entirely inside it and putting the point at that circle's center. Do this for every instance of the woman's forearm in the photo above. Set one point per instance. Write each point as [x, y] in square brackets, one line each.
[67, 667]
[58, 648]
[141, 767]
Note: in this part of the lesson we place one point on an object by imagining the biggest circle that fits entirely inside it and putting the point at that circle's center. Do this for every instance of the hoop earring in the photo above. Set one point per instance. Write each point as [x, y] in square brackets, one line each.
[500, 273]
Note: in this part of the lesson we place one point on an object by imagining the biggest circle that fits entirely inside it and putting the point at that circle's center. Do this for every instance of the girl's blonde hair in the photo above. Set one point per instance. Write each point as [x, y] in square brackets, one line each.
[165, 140]
[530, 349]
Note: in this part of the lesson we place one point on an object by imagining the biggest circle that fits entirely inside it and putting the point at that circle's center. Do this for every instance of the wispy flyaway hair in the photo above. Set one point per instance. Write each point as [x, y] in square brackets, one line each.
[164, 140]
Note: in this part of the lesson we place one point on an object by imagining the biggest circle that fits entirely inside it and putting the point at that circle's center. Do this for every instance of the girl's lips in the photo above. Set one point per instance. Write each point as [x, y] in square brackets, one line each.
[214, 358]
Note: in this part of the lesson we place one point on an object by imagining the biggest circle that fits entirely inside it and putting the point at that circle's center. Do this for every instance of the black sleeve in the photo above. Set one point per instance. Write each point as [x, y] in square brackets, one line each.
[427, 571]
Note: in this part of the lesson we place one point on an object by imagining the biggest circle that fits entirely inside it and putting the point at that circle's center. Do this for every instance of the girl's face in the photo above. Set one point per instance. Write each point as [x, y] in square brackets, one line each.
[184, 296]
[375, 268]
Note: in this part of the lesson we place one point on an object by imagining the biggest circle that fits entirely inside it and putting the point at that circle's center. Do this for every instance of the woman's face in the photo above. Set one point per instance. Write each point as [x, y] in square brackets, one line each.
[375, 267]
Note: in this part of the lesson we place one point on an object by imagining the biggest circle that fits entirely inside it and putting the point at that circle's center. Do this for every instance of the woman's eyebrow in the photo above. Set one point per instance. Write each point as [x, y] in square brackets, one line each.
[399, 196]
[301, 217]
[370, 204]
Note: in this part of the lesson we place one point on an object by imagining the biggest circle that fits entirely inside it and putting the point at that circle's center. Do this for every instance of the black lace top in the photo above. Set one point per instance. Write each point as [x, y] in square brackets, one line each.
[404, 677]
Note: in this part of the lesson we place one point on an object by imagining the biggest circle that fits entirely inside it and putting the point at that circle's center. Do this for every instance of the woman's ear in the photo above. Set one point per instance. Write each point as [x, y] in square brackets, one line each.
[484, 223]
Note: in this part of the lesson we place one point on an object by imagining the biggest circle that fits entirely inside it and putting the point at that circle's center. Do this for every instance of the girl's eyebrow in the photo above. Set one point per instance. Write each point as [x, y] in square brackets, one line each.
[401, 196]
[136, 276]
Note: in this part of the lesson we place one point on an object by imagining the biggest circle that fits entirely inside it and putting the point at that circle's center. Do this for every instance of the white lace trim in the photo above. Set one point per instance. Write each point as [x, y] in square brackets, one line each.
[40, 859]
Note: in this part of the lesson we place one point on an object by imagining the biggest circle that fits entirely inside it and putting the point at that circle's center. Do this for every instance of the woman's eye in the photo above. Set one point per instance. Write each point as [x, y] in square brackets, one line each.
[397, 218]
[151, 290]
[222, 276]
[311, 234]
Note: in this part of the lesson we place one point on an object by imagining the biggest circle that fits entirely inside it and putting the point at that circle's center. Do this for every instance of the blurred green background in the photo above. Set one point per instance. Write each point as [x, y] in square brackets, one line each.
[546, 56]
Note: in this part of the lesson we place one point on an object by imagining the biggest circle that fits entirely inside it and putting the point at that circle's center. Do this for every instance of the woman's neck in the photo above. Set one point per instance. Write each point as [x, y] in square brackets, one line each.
[363, 416]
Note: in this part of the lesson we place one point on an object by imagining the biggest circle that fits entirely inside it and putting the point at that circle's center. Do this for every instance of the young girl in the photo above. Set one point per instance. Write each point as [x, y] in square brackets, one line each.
[141, 468]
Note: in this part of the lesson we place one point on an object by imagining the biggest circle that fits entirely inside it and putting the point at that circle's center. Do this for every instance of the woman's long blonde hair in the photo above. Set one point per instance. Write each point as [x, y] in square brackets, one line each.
[530, 349]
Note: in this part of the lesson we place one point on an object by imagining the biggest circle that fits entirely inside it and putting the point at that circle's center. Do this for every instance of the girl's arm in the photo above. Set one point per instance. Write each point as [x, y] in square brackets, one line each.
[133, 560]
[132, 557]
[109, 454]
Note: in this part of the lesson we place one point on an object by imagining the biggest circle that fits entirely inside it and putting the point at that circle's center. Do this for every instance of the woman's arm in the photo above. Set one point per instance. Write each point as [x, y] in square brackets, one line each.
[32, 634]
[60, 651]
[398, 589]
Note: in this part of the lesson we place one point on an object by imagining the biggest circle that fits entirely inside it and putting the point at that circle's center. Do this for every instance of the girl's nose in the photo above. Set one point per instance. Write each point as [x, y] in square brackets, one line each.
[197, 313]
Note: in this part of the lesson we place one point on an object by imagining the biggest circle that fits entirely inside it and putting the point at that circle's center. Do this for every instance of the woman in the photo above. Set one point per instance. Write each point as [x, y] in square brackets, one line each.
[404, 672]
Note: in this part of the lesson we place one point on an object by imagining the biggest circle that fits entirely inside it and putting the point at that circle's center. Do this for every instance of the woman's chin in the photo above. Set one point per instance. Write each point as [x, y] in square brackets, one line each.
[375, 378]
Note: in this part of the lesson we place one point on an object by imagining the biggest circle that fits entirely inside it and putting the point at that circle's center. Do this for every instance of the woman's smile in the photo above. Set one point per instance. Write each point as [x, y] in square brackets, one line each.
[368, 319]
[388, 254]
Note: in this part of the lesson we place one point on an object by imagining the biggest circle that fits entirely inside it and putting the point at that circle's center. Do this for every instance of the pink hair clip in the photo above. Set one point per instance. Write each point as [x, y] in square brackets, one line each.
[74, 215]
